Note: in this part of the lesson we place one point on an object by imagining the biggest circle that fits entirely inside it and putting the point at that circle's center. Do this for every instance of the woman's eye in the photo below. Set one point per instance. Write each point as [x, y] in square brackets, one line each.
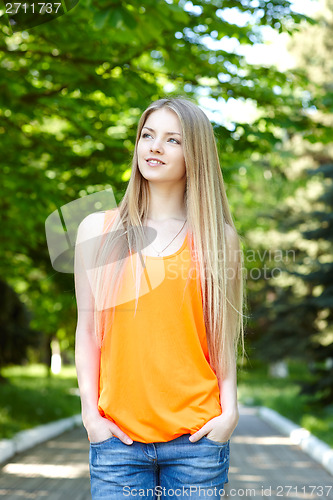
[145, 135]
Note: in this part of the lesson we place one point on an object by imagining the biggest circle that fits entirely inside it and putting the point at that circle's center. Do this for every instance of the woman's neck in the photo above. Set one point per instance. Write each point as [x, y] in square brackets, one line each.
[166, 204]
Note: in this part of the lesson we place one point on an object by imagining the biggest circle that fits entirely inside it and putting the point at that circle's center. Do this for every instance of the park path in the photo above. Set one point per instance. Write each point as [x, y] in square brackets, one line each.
[263, 463]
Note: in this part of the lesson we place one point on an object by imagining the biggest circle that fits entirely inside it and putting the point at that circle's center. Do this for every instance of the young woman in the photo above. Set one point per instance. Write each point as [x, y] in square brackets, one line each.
[160, 295]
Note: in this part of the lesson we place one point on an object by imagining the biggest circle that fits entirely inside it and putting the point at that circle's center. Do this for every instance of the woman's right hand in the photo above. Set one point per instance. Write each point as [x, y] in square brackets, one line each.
[100, 429]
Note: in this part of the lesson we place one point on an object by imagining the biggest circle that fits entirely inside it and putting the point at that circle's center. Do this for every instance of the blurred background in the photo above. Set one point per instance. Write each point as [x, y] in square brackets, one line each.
[71, 93]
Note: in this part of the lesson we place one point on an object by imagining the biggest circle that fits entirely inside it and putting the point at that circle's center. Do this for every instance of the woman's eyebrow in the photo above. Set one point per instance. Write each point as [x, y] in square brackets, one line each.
[167, 133]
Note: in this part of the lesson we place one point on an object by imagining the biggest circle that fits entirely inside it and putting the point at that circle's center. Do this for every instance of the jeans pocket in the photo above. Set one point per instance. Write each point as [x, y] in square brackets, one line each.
[218, 443]
[99, 443]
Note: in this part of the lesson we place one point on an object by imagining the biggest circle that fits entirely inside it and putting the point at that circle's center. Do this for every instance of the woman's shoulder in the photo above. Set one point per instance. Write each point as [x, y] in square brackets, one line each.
[95, 220]
[93, 224]
[92, 220]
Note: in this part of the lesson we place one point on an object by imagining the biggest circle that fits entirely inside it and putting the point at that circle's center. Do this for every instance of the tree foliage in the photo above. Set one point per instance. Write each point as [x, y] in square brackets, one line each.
[16, 336]
[72, 91]
[297, 321]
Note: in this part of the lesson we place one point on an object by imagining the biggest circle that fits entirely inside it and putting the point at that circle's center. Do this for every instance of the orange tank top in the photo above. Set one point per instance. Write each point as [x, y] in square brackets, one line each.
[156, 382]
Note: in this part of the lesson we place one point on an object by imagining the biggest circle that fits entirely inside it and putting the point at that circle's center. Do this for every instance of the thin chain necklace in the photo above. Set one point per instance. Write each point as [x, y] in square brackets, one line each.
[159, 253]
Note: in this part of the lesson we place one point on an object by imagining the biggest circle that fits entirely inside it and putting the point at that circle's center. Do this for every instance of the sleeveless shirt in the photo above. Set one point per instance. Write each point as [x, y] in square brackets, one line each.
[155, 379]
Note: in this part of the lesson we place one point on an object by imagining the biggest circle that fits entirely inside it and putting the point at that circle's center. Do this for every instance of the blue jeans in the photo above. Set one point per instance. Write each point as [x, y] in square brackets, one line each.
[176, 469]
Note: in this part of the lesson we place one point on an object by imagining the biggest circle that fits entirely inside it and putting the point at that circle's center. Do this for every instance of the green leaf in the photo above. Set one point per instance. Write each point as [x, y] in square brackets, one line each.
[100, 18]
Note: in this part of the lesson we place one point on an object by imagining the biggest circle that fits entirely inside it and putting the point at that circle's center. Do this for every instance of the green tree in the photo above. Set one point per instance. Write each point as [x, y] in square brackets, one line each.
[320, 281]
[71, 94]
[299, 315]
[16, 336]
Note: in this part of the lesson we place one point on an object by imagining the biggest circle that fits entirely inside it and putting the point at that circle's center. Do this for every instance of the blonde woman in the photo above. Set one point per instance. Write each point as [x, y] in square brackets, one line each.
[160, 300]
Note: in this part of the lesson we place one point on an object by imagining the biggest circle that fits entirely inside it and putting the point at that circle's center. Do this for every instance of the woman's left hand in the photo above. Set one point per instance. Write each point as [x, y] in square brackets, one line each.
[218, 428]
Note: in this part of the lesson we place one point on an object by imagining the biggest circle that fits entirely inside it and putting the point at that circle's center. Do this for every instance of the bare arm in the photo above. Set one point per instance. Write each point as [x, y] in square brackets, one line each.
[228, 399]
[87, 352]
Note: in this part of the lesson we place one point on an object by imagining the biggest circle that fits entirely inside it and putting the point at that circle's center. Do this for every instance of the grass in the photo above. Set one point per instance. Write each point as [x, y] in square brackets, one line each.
[31, 398]
[256, 387]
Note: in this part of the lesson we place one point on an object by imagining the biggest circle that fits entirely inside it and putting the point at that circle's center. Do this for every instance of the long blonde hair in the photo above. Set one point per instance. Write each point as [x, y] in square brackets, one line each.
[208, 215]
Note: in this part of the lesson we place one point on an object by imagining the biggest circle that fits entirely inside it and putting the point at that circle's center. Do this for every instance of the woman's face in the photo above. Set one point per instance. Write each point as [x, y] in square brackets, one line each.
[160, 149]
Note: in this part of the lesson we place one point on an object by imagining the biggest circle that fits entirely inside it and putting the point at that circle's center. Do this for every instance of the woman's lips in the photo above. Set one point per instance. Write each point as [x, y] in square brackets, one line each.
[154, 163]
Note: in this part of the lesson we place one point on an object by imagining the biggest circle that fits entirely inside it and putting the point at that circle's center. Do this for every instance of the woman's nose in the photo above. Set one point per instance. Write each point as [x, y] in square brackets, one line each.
[156, 146]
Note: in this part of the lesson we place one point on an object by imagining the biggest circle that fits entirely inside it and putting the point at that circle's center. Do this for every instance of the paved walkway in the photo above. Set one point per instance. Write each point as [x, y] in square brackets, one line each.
[55, 470]
[263, 464]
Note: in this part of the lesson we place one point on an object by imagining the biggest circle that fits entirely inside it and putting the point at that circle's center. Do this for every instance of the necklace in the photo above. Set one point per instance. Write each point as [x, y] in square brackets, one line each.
[159, 253]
